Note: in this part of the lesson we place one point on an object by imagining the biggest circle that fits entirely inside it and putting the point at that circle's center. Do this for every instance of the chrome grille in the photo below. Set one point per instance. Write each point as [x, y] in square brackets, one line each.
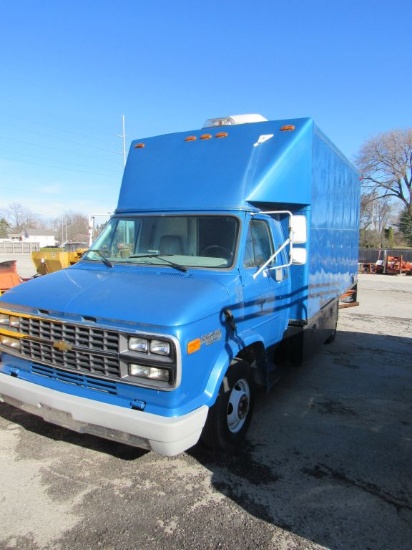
[76, 335]
[78, 360]
[93, 350]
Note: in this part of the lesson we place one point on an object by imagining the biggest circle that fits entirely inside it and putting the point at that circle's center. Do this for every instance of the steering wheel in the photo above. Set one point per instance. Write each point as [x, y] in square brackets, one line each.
[217, 251]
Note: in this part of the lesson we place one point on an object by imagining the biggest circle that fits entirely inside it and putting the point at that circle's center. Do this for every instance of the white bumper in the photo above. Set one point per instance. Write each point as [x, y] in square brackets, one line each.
[164, 435]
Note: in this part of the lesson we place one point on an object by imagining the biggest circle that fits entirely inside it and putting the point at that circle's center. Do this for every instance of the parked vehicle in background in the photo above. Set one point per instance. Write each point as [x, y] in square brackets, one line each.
[8, 275]
[53, 258]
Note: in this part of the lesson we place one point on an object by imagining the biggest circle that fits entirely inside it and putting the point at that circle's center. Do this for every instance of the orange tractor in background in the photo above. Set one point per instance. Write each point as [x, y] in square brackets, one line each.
[393, 265]
[8, 275]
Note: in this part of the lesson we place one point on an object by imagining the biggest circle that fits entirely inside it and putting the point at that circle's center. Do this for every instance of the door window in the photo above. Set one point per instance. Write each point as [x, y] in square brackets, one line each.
[259, 244]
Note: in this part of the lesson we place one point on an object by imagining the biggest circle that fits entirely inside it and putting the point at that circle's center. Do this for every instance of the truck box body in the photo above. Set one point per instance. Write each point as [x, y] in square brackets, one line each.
[224, 261]
[299, 170]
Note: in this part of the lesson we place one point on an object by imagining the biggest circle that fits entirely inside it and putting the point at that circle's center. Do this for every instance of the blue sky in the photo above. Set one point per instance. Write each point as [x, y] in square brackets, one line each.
[69, 70]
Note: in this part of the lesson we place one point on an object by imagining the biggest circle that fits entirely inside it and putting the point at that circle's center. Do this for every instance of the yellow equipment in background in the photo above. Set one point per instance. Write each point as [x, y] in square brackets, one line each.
[53, 258]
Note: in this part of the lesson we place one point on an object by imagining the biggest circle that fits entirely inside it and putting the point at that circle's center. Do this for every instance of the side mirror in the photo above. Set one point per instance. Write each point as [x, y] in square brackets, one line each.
[299, 229]
[299, 256]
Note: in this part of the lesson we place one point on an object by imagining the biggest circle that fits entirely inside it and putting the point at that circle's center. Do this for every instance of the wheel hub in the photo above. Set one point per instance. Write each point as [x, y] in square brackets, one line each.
[238, 406]
[243, 406]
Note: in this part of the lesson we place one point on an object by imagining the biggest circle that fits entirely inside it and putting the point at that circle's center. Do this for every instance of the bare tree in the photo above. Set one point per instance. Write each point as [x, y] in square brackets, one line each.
[383, 213]
[375, 217]
[20, 218]
[72, 226]
[366, 210]
[385, 165]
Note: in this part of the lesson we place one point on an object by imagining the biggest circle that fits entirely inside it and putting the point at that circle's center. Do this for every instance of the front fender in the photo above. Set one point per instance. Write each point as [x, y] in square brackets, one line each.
[231, 350]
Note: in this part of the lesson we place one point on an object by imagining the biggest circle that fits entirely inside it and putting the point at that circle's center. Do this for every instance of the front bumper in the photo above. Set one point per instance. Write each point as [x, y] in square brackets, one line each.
[167, 436]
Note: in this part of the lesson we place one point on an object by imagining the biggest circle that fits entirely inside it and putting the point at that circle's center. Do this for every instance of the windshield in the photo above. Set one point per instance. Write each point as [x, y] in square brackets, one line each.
[189, 241]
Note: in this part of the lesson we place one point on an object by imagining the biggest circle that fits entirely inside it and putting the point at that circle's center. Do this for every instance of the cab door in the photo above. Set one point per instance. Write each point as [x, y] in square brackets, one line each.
[265, 296]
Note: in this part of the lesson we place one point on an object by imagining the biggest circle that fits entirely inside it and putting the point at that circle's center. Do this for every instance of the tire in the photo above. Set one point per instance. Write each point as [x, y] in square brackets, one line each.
[229, 418]
[331, 338]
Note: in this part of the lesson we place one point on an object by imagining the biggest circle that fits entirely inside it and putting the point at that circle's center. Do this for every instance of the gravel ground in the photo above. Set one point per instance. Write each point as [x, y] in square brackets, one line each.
[327, 462]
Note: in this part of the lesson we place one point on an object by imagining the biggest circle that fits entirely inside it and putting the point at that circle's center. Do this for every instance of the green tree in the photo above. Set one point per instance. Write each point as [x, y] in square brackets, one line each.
[389, 236]
[405, 226]
[4, 228]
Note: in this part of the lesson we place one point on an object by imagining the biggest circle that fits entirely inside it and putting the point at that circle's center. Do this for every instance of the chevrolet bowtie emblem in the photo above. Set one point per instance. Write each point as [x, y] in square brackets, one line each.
[62, 346]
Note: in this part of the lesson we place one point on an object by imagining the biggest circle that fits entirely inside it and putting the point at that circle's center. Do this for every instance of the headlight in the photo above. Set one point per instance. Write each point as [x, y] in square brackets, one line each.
[151, 373]
[138, 344]
[10, 342]
[160, 347]
[4, 319]
[14, 321]
[11, 321]
[144, 345]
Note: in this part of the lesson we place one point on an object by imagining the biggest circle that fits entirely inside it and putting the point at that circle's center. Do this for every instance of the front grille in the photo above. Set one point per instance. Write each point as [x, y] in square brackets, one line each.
[76, 335]
[79, 360]
[93, 350]
[87, 350]
[76, 379]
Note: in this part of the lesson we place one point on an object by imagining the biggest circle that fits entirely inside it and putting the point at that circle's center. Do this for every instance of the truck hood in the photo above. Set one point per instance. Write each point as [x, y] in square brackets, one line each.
[150, 296]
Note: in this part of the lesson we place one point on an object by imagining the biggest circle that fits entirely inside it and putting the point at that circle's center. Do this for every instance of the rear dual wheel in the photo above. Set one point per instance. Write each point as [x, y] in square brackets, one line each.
[229, 418]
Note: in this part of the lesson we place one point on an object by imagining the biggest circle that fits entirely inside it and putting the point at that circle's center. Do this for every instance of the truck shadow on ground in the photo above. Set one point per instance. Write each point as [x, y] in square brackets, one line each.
[38, 426]
[327, 456]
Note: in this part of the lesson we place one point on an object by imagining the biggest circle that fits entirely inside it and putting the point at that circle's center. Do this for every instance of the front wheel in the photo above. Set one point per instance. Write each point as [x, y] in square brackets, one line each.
[229, 418]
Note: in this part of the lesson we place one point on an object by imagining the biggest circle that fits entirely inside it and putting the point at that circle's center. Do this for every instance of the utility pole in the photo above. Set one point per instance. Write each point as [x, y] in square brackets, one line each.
[124, 140]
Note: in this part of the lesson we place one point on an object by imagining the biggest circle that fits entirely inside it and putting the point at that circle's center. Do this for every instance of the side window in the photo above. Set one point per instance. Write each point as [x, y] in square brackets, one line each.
[259, 245]
[124, 238]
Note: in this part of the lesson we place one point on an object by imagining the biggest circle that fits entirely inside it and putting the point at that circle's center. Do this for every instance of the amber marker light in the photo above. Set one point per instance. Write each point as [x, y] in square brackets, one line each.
[193, 346]
[221, 135]
[190, 138]
[206, 136]
[139, 146]
[287, 128]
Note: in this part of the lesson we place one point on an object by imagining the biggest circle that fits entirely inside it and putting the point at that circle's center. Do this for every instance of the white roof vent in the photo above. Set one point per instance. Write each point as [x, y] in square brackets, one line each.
[232, 120]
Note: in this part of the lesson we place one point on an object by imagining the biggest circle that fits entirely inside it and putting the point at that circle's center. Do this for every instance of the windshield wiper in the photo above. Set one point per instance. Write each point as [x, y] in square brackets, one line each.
[160, 256]
[105, 260]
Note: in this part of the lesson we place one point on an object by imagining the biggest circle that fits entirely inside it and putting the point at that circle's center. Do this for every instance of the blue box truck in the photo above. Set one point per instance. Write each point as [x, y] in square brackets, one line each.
[223, 264]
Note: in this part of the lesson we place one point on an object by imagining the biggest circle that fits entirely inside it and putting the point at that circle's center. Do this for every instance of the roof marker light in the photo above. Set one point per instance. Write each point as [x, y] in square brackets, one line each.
[221, 135]
[206, 136]
[139, 146]
[287, 128]
[190, 138]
